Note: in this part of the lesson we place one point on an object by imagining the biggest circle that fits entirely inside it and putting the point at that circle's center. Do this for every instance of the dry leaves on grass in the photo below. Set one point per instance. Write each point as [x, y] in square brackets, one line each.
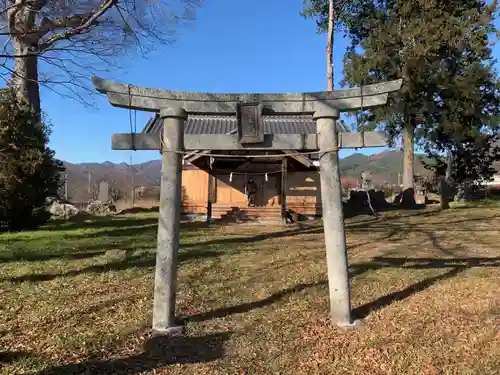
[255, 299]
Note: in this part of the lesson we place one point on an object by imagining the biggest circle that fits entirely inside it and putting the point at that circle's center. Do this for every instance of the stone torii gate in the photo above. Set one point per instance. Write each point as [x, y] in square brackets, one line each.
[174, 107]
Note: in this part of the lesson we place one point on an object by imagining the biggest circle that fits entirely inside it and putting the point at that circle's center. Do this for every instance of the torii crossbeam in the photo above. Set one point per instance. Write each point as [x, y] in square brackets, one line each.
[249, 109]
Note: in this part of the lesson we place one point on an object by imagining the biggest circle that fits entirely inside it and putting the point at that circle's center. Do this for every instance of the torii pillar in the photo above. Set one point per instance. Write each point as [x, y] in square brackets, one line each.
[167, 250]
[333, 218]
[174, 107]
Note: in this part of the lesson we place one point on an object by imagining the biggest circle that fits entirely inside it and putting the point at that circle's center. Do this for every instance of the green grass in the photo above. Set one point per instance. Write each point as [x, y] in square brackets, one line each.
[483, 203]
[76, 298]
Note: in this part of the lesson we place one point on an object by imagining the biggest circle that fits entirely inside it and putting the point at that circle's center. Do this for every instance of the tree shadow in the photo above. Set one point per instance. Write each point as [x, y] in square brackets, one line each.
[436, 263]
[356, 270]
[137, 210]
[159, 352]
[301, 229]
[8, 357]
[249, 306]
[457, 265]
[379, 225]
[144, 226]
[37, 257]
[137, 261]
[389, 219]
[123, 223]
[363, 311]
[95, 222]
[139, 229]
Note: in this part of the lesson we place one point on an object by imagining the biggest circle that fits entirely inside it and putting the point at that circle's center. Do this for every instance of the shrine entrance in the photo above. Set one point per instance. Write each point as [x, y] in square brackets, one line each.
[231, 190]
[250, 140]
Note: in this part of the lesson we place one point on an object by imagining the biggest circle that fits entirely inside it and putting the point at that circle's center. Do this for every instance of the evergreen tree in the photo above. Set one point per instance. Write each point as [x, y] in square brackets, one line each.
[441, 50]
[29, 174]
[344, 12]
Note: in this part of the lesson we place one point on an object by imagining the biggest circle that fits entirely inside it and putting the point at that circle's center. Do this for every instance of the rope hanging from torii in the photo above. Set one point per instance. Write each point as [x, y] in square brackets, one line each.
[133, 130]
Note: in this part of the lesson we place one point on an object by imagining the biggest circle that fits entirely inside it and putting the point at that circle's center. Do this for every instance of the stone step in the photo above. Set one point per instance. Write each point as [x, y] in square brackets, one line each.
[247, 209]
[247, 213]
[231, 213]
[248, 219]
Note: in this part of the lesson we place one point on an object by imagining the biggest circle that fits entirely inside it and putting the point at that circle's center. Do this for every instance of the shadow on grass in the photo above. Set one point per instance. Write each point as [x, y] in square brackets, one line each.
[38, 257]
[159, 352]
[457, 265]
[313, 228]
[7, 357]
[120, 228]
[134, 227]
[380, 225]
[124, 226]
[353, 210]
[139, 261]
[98, 222]
[249, 306]
[307, 229]
[364, 310]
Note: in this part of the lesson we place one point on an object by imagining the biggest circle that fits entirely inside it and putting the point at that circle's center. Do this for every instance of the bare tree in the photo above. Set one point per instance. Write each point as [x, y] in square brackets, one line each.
[60, 43]
[115, 192]
[94, 191]
[331, 15]
[330, 84]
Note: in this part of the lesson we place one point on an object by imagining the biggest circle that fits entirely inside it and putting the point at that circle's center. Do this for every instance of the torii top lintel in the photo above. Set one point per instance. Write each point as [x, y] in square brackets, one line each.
[152, 100]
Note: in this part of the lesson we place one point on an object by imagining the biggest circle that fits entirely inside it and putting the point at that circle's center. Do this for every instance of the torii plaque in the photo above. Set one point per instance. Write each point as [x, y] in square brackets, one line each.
[174, 107]
[250, 126]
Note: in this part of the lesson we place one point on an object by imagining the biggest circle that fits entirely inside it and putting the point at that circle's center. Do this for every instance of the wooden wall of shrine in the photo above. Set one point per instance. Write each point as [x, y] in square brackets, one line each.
[303, 193]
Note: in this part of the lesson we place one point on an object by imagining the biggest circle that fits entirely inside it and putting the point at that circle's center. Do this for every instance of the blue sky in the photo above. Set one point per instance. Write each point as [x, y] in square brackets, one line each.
[233, 46]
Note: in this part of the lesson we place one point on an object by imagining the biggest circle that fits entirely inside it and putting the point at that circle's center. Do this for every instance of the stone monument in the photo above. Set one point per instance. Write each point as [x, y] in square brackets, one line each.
[103, 195]
[366, 180]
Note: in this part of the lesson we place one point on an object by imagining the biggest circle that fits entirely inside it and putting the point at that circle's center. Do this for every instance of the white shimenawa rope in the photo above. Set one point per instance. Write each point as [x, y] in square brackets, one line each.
[222, 171]
[370, 203]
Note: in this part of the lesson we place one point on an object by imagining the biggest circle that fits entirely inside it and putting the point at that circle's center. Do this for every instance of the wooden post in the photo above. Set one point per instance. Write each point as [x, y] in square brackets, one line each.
[169, 223]
[211, 194]
[284, 169]
[88, 188]
[333, 219]
[66, 186]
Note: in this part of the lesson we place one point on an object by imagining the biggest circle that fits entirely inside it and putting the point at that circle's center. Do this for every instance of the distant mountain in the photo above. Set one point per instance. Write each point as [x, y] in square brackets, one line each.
[122, 175]
[384, 168]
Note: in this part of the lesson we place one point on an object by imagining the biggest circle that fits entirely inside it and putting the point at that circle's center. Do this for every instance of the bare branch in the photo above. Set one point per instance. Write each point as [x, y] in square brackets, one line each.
[70, 40]
[90, 19]
[7, 8]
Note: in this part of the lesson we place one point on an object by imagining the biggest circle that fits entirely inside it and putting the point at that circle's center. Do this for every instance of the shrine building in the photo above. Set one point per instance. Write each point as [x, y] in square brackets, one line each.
[215, 187]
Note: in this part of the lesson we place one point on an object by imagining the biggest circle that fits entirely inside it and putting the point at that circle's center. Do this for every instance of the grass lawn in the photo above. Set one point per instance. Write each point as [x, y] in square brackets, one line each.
[76, 298]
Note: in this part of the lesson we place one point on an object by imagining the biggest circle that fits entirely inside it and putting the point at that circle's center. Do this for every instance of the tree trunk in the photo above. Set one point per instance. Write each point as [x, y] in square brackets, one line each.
[408, 195]
[329, 49]
[25, 76]
[446, 184]
[444, 203]
[22, 22]
[408, 163]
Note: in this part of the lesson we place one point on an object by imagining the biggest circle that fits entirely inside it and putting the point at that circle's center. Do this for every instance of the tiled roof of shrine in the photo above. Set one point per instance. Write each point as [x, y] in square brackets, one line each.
[211, 124]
